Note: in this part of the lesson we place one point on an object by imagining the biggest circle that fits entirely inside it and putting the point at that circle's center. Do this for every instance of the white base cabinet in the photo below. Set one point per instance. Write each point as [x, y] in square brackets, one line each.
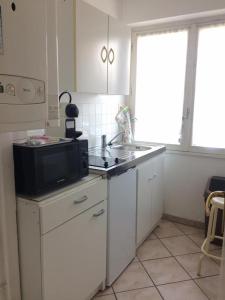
[68, 260]
[149, 196]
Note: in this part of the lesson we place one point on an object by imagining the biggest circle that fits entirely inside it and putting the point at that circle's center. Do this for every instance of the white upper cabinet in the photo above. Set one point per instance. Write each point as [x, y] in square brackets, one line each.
[91, 49]
[119, 58]
[94, 50]
[66, 45]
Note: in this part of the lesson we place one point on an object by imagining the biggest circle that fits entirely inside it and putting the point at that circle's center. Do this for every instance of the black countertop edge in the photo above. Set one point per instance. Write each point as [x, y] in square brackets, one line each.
[131, 162]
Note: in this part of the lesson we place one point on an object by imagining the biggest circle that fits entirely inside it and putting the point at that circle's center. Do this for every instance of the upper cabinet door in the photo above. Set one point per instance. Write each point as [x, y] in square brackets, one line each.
[91, 42]
[66, 45]
[119, 58]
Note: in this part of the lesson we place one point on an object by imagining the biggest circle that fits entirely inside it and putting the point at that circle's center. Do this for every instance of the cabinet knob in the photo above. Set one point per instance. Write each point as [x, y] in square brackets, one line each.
[153, 177]
[84, 198]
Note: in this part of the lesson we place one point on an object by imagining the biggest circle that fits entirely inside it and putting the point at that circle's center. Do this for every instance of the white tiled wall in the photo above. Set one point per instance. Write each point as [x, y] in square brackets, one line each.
[96, 116]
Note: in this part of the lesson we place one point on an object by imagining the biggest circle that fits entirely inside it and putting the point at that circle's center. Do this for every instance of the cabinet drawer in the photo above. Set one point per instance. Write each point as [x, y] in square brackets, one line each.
[71, 203]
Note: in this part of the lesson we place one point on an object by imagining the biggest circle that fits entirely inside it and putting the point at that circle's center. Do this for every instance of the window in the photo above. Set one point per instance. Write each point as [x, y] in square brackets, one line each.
[181, 71]
[161, 63]
[209, 107]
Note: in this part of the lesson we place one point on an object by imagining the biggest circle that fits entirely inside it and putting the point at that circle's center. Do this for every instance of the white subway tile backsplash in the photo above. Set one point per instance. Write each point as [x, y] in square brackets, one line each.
[96, 117]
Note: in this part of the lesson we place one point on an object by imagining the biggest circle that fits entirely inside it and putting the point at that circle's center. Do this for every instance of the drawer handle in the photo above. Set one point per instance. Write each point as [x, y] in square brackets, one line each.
[81, 200]
[101, 212]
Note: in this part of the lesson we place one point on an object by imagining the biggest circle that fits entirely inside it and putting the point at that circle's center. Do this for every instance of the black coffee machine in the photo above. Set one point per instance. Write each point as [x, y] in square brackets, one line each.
[72, 112]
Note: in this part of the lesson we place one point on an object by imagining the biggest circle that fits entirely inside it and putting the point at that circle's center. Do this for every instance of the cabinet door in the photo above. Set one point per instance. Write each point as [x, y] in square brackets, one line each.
[119, 58]
[157, 190]
[91, 49]
[144, 200]
[66, 45]
[53, 79]
[74, 256]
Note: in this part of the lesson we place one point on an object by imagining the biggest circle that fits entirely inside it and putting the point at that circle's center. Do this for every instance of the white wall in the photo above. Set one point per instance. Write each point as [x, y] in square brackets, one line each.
[145, 10]
[185, 181]
[8, 247]
[185, 175]
[111, 7]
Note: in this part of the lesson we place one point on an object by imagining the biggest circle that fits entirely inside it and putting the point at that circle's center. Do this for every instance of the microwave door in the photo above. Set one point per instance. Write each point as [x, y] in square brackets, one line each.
[57, 166]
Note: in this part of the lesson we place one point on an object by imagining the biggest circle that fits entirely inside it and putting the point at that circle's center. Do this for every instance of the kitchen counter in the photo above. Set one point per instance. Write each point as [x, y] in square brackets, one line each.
[131, 159]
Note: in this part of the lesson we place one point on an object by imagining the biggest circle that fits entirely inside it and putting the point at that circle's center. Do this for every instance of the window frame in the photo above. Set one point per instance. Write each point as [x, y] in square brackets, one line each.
[192, 25]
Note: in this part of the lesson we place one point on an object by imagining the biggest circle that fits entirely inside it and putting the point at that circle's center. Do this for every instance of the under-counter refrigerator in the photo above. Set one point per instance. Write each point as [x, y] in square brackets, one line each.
[121, 244]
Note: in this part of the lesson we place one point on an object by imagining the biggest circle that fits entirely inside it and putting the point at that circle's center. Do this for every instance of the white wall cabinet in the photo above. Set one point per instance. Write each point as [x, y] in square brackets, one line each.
[94, 50]
[149, 196]
[91, 40]
[62, 242]
[119, 47]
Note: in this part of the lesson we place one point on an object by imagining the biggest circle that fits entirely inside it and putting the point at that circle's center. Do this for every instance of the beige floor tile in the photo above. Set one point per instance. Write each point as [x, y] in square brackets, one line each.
[152, 249]
[107, 291]
[107, 297]
[209, 286]
[165, 270]
[190, 263]
[189, 229]
[186, 290]
[142, 294]
[167, 229]
[135, 259]
[217, 252]
[152, 236]
[180, 245]
[133, 277]
[199, 238]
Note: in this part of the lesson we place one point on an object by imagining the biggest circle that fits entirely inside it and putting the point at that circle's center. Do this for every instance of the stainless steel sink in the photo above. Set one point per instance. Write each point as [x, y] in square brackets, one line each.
[131, 147]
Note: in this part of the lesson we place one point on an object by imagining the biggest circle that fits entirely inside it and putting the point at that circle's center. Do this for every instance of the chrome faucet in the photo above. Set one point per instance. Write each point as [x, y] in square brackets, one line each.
[104, 144]
[116, 136]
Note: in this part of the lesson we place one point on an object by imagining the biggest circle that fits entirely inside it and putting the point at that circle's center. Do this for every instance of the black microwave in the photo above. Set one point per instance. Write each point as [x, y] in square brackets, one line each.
[44, 168]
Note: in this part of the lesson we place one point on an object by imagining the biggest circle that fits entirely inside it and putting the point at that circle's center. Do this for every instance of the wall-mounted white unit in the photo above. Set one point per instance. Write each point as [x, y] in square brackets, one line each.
[24, 35]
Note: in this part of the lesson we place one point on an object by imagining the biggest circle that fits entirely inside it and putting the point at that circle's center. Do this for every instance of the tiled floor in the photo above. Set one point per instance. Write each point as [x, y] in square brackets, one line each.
[166, 268]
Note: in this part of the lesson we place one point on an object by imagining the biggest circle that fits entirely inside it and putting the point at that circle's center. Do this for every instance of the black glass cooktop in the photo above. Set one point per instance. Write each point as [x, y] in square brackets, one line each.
[104, 162]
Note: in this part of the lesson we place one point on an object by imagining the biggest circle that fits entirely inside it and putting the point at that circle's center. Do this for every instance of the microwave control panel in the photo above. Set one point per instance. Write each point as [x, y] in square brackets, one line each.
[21, 90]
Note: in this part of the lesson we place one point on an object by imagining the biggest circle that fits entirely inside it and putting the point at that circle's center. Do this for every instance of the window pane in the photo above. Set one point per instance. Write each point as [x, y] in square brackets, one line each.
[209, 108]
[160, 78]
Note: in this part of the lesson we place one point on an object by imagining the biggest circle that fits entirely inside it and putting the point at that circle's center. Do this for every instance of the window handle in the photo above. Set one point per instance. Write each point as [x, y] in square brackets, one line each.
[184, 117]
[186, 114]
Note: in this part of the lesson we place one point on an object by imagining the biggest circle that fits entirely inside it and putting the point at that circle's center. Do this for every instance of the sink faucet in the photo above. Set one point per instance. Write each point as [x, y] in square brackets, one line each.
[116, 136]
[104, 144]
